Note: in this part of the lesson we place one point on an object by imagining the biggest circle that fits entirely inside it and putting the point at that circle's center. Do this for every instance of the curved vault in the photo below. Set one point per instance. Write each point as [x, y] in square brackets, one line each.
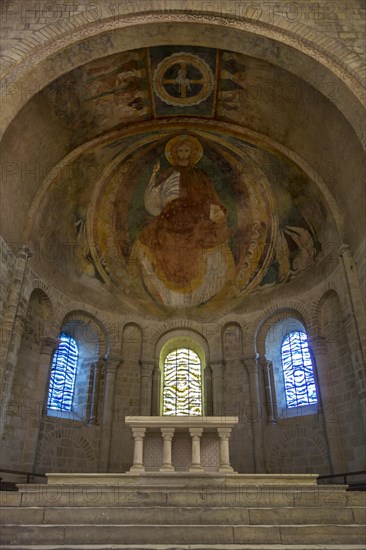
[247, 217]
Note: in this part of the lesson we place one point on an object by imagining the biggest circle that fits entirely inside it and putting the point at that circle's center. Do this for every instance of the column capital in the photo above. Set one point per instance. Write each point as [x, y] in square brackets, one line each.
[266, 364]
[138, 433]
[318, 345]
[147, 367]
[21, 320]
[344, 249]
[195, 432]
[112, 363]
[262, 362]
[24, 252]
[100, 363]
[217, 367]
[251, 363]
[167, 433]
[48, 345]
[224, 432]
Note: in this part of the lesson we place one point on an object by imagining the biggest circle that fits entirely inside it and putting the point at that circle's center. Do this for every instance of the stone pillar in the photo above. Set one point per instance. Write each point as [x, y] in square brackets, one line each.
[208, 399]
[355, 296]
[12, 331]
[97, 369]
[38, 405]
[110, 371]
[217, 368]
[155, 406]
[356, 329]
[196, 449]
[167, 434]
[47, 350]
[224, 434]
[329, 407]
[252, 366]
[8, 370]
[267, 375]
[147, 368]
[138, 450]
[13, 301]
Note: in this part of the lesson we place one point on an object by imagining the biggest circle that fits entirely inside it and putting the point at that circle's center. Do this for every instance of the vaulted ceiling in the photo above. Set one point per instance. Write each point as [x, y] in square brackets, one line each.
[249, 213]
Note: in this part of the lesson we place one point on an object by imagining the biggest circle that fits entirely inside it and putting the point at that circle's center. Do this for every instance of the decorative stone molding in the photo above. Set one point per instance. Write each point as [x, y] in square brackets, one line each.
[48, 346]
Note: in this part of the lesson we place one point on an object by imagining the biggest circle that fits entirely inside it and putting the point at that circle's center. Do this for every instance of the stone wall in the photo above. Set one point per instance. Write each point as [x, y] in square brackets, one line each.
[7, 263]
[34, 440]
[33, 310]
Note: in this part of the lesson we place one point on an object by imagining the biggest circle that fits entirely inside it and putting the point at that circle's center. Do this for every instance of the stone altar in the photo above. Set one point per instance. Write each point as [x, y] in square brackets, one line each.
[181, 443]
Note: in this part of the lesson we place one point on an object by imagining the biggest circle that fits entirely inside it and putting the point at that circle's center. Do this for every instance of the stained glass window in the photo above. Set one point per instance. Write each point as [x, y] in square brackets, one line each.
[182, 387]
[298, 370]
[63, 373]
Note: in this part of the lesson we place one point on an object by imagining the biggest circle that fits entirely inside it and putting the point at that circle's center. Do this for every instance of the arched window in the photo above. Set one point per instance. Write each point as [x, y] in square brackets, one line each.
[298, 372]
[292, 371]
[63, 373]
[182, 383]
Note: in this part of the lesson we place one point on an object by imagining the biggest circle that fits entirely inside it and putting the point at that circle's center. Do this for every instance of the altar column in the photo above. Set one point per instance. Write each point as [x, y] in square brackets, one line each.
[147, 369]
[110, 371]
[252, 366]
[217, 369]
[138, 451]
[224, 434]
[167, 434]
[196, 449]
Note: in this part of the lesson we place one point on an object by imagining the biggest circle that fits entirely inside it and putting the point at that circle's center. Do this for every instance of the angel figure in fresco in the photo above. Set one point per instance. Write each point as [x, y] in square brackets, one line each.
[183, 249]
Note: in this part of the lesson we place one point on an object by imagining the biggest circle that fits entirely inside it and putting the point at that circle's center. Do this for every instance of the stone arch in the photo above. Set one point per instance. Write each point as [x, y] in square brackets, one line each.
[52, 452]
[185, 336]
[94, 330]
[286, 453]
[176, 328]
[113, 32]
[38, 320]
[132, 334]
[132, 343]
[329, 295]
[232, 336]
[292, 310]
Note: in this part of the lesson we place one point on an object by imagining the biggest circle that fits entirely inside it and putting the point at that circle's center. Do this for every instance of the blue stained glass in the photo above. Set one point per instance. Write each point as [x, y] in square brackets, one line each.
[298, 371]
[63, 373]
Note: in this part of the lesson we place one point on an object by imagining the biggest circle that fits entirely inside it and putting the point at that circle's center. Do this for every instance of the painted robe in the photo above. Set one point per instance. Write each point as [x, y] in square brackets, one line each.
[190, 220]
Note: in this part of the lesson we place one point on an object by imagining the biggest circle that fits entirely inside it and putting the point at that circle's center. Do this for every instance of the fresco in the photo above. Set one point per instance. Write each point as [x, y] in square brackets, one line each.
[102, 94]
[181, 221]
[179, 211]
[184, 246]
[183, 80]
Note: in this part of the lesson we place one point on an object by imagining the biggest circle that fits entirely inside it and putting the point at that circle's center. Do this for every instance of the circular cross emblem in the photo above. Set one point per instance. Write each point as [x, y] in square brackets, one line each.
[183, 79]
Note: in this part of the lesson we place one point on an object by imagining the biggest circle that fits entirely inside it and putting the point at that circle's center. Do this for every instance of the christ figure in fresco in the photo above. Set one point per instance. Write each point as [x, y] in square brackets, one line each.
[184, 247]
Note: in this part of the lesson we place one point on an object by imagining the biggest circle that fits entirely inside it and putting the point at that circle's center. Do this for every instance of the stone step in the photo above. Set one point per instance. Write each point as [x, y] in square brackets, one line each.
[167, 515]
[93, 495]
[303, 546]
[185, 534]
